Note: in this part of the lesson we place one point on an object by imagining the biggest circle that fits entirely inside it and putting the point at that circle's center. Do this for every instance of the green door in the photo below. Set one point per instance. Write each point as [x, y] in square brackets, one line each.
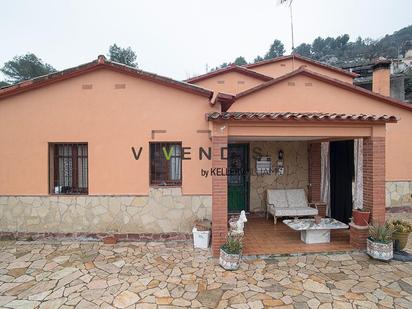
[238, 177]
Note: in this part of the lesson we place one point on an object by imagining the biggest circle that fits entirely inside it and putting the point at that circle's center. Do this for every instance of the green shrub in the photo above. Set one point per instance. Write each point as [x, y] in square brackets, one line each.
[362, 209]
[380, 233]
[232, 246]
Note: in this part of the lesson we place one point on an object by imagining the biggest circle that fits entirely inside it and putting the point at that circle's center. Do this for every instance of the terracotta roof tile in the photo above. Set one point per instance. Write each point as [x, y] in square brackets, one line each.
[100, 63]
[300, 116]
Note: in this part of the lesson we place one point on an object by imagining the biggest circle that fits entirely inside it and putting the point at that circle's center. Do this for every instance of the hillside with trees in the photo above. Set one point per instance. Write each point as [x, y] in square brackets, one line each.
[341, 51]
[338, 51]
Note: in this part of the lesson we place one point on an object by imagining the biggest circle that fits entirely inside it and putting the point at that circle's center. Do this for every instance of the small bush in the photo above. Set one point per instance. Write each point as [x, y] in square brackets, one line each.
[362, 209]
[381, 233]
[400, 226]
[202, 225]
[232, 246]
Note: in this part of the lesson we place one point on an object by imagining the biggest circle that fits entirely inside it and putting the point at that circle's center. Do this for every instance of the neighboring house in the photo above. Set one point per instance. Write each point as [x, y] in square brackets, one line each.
[408, 58]
[105, 148]
[397, 78]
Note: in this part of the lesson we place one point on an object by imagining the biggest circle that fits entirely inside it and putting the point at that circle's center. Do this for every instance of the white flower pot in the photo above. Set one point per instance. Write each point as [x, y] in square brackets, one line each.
[229, 261]
[201, 239]
[379, 251]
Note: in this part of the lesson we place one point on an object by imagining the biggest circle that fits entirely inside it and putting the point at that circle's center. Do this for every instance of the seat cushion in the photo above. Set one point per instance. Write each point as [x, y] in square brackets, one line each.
[296, 198]
[277, 198]
[302, 211]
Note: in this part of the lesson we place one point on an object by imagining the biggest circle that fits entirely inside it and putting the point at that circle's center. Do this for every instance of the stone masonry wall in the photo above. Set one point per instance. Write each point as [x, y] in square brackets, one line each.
[398, 193]
[295, 176]
[164, 210]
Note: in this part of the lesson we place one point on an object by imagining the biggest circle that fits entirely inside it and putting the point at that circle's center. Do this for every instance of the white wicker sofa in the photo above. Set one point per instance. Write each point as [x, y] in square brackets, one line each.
[288, 203]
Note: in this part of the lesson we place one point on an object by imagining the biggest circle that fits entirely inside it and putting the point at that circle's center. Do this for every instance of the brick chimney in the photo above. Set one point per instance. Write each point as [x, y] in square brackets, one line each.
[381, 77]
[101, 59]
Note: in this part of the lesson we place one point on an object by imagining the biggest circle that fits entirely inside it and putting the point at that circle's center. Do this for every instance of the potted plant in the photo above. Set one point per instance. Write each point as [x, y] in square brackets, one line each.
[201, 233]
[361, 216]
[230, 253]
[379, 243]
[401, 230]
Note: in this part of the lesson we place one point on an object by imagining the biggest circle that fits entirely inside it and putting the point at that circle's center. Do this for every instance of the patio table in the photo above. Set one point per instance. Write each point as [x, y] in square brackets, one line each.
[312, 233]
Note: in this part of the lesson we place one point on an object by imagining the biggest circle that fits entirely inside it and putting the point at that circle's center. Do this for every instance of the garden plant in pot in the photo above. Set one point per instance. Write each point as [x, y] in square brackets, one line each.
[379, 243]
[230, 253]
[361, 216]
[201, 233]
[401, 230]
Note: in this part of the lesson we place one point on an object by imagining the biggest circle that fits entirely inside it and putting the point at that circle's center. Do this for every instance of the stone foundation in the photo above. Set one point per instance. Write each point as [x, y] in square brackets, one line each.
[96, 236]
[164, 210]
[398, 193]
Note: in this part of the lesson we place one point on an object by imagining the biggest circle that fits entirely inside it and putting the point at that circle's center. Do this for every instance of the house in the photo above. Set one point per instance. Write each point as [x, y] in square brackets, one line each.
[397, 77]
[103, 148]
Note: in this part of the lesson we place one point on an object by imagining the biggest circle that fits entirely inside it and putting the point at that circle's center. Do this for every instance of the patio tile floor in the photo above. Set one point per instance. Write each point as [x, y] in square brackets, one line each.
[73, 274]
[262, 237]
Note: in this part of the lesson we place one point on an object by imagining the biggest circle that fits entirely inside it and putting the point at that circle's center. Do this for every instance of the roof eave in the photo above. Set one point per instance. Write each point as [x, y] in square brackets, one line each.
[307, 117]
[100, 63]
[302, 58]
[228, 69]
[327, 79]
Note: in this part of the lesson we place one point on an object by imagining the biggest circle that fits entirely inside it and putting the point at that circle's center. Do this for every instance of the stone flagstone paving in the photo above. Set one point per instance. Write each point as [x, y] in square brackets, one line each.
[53, 274]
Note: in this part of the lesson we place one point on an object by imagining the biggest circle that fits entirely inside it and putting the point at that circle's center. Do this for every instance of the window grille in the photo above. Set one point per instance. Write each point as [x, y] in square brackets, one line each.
[166, 164]
[68, 168]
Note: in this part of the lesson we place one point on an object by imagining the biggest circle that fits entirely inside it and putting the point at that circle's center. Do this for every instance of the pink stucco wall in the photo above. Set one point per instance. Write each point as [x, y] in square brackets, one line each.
[230, 82]
[111, 121]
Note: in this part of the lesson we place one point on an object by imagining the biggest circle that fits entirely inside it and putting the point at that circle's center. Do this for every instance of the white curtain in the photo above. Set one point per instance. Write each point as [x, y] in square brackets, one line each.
[358, 185]
[325, 176]
[175, 163]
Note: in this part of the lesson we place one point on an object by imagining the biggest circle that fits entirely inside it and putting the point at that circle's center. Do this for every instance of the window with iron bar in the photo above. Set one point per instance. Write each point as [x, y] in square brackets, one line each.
[68, 168]
[166, 164]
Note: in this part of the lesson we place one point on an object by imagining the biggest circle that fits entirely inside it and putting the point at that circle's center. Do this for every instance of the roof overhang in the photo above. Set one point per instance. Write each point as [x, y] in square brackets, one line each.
[228, 69]
[228, 100]
[101, 63]
[304, 59]
[305, 117]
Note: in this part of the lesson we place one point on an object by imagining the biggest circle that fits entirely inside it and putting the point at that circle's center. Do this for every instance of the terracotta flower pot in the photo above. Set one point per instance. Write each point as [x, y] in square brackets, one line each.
[110, 240]
[229, 261]
[379, 251]
[402, 238]
[360, 218]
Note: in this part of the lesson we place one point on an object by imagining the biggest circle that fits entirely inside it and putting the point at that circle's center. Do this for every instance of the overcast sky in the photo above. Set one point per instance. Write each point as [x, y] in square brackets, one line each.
[178, 38]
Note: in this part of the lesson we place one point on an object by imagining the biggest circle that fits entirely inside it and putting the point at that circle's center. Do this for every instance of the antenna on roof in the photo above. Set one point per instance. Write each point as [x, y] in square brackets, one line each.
[289, 3]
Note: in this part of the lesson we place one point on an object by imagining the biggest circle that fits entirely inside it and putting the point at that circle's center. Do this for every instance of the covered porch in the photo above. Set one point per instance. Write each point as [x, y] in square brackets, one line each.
[309, 130]
[262, 237]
